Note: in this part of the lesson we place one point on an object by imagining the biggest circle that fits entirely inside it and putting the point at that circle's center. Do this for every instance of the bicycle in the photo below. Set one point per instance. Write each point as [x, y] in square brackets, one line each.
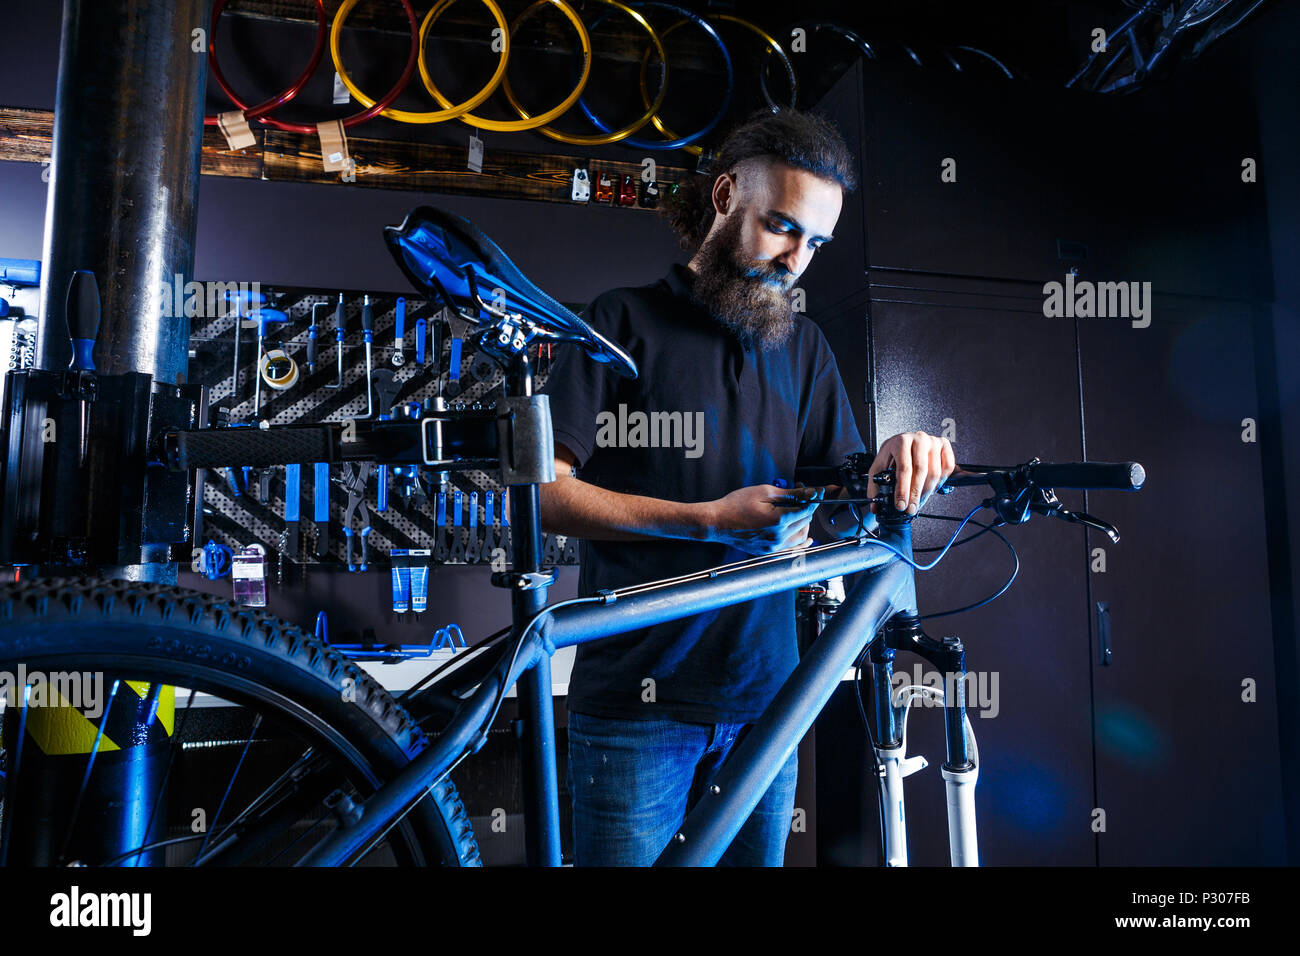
[369, 767]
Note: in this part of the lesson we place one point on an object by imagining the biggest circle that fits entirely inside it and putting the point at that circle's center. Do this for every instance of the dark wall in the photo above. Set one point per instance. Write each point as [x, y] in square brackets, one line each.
[1268, 55]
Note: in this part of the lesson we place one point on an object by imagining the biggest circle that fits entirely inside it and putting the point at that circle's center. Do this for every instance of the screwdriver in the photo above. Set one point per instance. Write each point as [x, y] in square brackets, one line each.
[398, 358]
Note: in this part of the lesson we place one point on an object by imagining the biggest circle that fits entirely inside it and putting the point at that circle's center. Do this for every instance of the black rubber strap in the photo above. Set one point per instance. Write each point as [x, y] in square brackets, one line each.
[235, 447]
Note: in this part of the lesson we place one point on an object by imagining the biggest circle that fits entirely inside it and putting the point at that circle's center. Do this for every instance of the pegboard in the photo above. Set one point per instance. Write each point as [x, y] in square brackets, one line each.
[238, 521]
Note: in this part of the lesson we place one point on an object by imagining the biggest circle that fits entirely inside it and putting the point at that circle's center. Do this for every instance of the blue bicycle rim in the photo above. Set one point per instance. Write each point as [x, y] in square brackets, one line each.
[726, 99]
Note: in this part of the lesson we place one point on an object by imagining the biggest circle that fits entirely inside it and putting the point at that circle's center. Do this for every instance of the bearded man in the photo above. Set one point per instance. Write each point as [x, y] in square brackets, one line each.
[654, 713]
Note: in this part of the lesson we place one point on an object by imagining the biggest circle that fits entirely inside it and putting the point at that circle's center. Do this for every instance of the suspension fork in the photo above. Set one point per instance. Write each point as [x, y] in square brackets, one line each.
[903, 632]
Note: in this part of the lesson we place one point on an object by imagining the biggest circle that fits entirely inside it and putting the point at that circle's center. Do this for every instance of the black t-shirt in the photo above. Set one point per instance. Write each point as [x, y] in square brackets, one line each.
[743, 417]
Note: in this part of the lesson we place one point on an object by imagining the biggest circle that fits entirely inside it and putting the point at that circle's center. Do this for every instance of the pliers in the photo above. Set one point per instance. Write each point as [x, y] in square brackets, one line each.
[356, 475]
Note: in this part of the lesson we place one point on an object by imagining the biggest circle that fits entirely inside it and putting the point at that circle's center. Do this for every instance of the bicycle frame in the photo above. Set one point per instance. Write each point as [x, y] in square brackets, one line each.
[885, 592]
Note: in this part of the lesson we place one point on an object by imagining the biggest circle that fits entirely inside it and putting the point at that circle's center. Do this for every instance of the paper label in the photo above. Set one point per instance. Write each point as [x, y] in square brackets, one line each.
[235, 129]
[334, 146]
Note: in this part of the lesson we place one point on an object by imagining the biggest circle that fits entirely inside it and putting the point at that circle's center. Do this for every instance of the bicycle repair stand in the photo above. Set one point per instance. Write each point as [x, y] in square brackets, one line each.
[528, 584]
[526, 454]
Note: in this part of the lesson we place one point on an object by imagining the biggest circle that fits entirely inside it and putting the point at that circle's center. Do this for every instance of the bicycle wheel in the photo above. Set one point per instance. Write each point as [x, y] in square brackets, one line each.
[339, 731]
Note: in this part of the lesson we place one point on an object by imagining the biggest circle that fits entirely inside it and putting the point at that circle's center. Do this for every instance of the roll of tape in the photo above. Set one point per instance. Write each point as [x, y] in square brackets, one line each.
[278, 369]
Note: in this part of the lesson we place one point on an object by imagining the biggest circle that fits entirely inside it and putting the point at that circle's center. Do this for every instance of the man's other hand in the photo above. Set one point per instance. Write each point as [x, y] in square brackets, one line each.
[746, 519]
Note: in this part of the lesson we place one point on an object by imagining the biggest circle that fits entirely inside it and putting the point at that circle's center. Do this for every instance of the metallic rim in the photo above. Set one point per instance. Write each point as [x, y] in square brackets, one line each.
[429, 116]
[511, 126]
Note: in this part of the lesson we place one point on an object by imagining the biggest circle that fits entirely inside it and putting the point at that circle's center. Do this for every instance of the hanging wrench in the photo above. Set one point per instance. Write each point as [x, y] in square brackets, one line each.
[368, 336]
[340, 318]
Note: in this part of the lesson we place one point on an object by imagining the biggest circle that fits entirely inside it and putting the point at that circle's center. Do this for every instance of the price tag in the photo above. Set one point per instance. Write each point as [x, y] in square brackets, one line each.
[475, 154]
[334, 146]
[248, 575]
[341, 94]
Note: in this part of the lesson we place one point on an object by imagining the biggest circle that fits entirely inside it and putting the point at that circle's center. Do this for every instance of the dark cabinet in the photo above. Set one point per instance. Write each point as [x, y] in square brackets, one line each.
[980, 363]
[1037, 172]
[1188, 768]
[934, 308]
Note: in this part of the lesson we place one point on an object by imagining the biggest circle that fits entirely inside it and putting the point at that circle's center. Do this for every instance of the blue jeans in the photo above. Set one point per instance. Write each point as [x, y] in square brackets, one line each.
[633, 782]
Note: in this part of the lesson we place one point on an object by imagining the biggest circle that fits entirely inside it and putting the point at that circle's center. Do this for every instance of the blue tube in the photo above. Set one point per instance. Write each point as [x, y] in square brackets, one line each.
[401, 580]
[419, 581]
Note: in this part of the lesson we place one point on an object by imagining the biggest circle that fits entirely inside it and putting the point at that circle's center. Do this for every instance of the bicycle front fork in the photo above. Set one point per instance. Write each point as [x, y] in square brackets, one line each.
[960, 771]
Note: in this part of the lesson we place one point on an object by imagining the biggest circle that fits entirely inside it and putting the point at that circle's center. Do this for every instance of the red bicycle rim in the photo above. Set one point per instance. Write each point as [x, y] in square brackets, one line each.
[381, 104]
[322, 30]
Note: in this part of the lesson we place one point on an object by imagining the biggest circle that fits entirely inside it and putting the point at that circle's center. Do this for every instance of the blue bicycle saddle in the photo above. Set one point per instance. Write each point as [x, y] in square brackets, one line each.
[445, 256]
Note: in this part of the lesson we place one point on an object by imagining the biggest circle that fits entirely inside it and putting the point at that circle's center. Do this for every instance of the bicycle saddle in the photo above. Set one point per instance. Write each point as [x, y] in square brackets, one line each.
[444, 255]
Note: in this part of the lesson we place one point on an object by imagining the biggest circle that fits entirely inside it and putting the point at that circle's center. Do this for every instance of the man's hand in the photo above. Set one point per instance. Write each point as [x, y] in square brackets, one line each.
[747, 520]
[921, 463]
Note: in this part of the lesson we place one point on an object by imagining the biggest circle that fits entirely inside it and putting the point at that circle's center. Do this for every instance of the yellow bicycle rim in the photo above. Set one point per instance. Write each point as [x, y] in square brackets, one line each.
[600, 139]
[542, 119]
[432, 116]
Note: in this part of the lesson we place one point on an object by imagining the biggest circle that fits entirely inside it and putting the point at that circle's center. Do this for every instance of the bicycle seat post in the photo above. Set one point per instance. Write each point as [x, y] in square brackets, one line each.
[535, 727]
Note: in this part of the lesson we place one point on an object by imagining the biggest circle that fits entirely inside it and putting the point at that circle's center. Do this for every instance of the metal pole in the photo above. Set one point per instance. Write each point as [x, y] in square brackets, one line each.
[123, 194]
[124, 178]
[536, 730]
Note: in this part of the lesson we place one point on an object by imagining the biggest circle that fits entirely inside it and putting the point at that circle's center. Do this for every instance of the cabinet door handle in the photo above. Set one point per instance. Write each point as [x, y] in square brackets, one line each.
[1103, 631]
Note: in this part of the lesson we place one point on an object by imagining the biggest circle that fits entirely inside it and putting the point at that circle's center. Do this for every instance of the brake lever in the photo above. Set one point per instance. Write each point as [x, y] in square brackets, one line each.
[1051, 506]
[1082, 517]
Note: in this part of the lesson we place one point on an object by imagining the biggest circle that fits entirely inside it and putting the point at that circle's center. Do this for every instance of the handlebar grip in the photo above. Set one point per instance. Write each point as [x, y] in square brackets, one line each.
[1090, 475]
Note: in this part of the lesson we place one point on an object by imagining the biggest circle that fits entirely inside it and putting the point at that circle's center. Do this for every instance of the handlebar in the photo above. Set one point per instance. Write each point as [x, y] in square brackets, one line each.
[855, 474]
[1083, 475]
[1017, 490]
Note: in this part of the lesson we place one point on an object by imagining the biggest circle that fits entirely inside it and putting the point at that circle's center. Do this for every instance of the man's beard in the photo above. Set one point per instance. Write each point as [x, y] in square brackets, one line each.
[750, 298]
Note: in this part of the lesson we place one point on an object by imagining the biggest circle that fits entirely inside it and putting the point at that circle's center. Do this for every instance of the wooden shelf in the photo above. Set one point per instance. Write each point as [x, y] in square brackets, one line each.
[26, 136]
